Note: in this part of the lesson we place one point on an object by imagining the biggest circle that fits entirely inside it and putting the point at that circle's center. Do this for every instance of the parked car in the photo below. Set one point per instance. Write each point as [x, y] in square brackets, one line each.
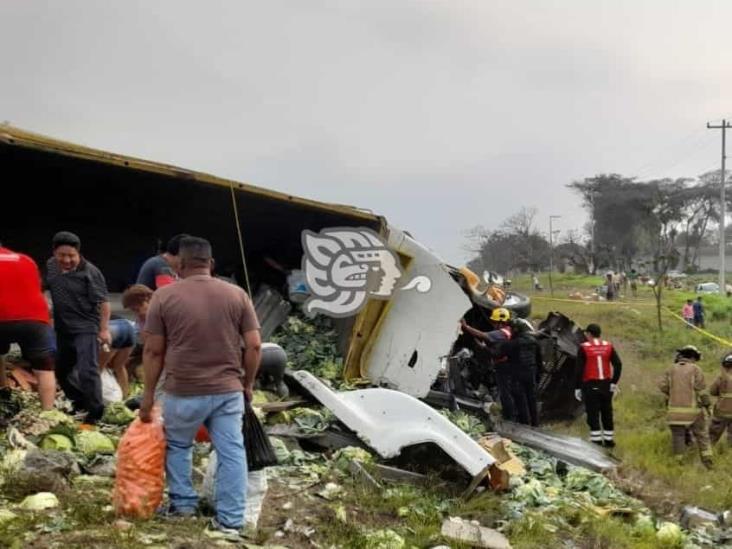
[707, 288]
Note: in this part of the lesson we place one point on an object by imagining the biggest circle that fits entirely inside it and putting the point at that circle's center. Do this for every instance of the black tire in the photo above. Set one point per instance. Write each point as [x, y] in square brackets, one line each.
[518, 304]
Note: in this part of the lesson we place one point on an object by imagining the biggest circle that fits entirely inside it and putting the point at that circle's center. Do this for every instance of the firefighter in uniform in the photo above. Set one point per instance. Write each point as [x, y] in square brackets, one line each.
[688, 402]
[525, 364]
[598, 373]
[500, 318]
[722, 414]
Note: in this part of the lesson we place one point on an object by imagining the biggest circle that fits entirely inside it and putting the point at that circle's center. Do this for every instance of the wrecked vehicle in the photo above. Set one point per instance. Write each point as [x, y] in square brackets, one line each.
[398, 343]
[467, 379]
[393, 343]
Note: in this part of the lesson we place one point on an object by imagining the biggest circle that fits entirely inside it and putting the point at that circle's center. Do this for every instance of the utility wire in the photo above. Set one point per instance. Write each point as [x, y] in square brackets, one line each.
[660, 159]
[701, 143]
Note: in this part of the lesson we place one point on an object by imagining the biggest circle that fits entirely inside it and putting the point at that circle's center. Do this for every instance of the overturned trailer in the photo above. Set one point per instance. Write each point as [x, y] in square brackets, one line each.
[124, 208]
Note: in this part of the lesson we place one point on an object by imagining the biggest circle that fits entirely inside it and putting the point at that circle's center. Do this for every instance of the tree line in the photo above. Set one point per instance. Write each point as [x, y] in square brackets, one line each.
[637, 224]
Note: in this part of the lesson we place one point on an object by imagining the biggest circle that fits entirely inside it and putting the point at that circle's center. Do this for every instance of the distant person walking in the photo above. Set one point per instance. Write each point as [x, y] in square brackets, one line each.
[81, 313]
[698, 313]
[687, 401]
[611, 291]
[598, 370]
[687, 312]
[536, 283]
[633, 278]
[194, 329]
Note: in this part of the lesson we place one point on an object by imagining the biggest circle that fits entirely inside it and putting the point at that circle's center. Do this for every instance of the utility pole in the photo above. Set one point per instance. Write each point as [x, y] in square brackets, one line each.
[592, 234]
[551, 252]
[722, 208]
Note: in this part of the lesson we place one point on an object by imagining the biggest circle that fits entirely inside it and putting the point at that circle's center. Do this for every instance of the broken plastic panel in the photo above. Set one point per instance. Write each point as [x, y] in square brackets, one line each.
[389, 421]
[419, 328]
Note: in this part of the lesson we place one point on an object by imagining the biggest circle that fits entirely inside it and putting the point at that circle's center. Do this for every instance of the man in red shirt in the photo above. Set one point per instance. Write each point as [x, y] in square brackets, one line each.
[24, 320]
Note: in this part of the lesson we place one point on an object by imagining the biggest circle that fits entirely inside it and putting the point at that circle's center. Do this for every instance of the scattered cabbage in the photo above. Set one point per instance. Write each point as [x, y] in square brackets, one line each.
[91, 443]
[384, 539]
[117, 413]
[57, 442]
[344, 456]
[39, 502]
[6, 516]
[670, 534]
[12, 461]
[55, 416]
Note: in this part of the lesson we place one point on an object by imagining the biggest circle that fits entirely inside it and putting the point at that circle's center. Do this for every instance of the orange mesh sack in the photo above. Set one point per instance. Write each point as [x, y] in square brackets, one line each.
[138, 487]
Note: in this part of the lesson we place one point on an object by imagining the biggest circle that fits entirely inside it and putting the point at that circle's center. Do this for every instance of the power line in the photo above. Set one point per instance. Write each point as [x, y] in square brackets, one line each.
[660, 159]
[694, 148]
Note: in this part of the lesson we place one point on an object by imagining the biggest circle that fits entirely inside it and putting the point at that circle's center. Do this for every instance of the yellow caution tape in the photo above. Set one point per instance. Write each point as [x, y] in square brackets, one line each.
[586, 302]
[635, 304]
[700, 330]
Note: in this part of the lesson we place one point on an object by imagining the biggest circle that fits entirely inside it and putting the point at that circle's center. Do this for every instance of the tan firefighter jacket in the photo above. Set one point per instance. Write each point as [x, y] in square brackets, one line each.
[686, 391]
[722, 389]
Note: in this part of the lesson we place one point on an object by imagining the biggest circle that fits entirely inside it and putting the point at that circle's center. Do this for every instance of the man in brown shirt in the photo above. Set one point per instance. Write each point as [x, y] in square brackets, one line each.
[195, 329]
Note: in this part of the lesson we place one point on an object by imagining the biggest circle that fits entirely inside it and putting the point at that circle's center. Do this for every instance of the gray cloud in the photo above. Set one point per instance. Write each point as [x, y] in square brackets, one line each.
[440, 115]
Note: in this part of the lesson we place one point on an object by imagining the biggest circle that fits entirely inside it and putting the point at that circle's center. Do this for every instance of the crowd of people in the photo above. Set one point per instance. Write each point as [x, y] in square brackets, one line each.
[517, 362]
[203, 329]
[515, 355]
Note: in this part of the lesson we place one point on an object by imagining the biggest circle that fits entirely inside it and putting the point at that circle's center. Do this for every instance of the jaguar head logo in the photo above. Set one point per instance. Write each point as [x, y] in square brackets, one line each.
[344, 266]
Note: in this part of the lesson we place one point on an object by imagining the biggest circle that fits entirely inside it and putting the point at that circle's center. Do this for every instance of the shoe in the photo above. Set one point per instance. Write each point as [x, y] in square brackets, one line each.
[609, 444]
[218, 531]
[93, 418]
[169, 511]
[598, 442]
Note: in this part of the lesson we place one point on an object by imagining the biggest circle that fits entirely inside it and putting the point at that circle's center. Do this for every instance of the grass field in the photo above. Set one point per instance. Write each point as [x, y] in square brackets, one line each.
[642, 435]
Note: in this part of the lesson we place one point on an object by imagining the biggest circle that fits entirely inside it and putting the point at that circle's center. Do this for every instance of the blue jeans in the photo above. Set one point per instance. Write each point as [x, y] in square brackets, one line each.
[222, 416]
[122, 332]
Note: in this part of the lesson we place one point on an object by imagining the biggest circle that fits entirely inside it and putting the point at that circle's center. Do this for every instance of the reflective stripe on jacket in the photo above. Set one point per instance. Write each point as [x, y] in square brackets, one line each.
[686, 391]
[597, 364]
[722, 389]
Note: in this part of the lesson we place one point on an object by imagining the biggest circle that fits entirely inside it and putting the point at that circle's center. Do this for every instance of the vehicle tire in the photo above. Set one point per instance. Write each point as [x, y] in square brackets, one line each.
[518, 304]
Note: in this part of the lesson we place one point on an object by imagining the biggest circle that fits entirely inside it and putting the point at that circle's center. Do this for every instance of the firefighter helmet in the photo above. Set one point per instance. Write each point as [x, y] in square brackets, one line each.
[689, 351]
[500, 315]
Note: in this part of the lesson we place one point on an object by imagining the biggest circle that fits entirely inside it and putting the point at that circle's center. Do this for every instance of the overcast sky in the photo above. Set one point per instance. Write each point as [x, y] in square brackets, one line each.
[439, 115]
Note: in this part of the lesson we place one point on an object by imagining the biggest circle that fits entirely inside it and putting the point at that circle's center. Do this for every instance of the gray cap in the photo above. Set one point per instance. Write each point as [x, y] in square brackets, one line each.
[66, 238]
